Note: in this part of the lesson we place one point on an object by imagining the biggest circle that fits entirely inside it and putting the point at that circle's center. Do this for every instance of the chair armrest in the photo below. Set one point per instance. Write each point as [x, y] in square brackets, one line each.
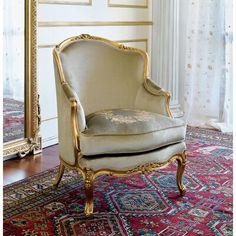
[73, 98]
[154, 89]
[71, 122]
[71, 118]
[69, 92]
[153, 98]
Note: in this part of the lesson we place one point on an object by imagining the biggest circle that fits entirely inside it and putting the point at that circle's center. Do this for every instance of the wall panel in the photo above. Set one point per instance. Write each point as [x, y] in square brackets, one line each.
[46, 83]
[98, 11]
[60, 19]
[49, 132]
[54, 35]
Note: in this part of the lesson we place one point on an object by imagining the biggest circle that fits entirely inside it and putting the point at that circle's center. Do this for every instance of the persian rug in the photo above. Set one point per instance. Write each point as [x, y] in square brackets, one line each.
[13, 119]
[136, 205]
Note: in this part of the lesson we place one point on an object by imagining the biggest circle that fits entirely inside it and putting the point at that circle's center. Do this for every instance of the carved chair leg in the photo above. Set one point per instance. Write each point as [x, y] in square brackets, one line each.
[57, 179]
[88, 179]
[180, 171]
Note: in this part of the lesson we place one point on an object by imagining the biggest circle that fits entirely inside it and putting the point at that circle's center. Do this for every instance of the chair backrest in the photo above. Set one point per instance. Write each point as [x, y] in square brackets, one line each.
[104, 74]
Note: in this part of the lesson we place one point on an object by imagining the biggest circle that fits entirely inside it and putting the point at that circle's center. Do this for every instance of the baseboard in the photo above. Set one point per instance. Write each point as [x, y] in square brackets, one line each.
[49, 141]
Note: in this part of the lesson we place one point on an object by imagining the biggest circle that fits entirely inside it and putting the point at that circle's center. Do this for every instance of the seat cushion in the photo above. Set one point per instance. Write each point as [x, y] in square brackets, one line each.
[125, 162]
[129, 131]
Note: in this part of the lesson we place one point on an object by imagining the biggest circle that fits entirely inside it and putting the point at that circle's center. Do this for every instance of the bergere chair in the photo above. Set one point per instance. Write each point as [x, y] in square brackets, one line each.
[112, 119]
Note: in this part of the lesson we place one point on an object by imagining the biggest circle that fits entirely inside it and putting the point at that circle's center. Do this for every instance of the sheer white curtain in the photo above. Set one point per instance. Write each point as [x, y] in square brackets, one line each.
[206, 59]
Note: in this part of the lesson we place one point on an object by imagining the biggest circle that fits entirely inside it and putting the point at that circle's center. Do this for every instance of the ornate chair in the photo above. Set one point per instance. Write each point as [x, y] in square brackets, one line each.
[112, 118]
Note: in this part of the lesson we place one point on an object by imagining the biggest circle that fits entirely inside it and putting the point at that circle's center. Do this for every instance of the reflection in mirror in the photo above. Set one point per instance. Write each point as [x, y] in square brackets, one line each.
[13, 69]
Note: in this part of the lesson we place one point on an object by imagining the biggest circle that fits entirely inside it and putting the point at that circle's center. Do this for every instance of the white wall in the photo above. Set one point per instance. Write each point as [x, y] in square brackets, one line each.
[60, 19]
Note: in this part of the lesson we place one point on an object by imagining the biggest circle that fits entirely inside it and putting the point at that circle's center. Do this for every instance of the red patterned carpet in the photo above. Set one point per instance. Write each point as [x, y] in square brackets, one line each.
[13, 119]
[137, 205]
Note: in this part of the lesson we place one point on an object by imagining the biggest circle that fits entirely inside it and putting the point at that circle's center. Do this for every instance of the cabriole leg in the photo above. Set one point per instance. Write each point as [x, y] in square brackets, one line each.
[180, 171]
[89, 179]
[57, 179]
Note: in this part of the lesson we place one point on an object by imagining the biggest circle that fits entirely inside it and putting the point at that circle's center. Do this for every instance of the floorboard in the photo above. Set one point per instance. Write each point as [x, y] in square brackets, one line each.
[18, 169]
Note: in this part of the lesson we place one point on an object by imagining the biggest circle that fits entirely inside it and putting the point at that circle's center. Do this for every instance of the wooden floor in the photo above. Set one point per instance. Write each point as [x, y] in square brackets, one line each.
[18, 169]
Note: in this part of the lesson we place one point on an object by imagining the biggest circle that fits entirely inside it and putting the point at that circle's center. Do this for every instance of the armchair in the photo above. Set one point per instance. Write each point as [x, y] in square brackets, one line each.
[112, 119]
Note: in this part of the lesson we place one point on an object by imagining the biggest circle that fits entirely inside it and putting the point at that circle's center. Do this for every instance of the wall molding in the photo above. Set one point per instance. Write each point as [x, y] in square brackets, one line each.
[66, 2]
[111, 4]
[50, 138]
[145, 40]
[49, 119]
[46, 45]
[92, 23]
[49, 141]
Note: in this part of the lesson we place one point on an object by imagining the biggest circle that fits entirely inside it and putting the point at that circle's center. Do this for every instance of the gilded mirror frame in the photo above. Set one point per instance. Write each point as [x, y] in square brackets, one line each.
[32, 140]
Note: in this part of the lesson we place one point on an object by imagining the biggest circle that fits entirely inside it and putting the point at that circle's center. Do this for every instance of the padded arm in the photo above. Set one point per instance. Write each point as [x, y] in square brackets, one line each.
[72, 96]
[71, 120]
[153, 98]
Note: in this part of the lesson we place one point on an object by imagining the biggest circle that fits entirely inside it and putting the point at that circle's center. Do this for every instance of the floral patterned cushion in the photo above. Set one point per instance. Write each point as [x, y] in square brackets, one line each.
[127, 122]
[129, 131]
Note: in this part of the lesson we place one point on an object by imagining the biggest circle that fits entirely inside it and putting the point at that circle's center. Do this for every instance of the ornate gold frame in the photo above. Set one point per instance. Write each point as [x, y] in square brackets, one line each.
[32, 140]
[89, 175]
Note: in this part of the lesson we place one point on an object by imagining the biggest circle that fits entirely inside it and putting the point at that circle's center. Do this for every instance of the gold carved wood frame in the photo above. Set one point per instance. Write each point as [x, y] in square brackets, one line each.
[32, 140]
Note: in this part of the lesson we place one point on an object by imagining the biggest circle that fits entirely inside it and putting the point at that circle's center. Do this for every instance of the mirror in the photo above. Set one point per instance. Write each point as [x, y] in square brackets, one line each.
[21, 113]
[13, 69]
